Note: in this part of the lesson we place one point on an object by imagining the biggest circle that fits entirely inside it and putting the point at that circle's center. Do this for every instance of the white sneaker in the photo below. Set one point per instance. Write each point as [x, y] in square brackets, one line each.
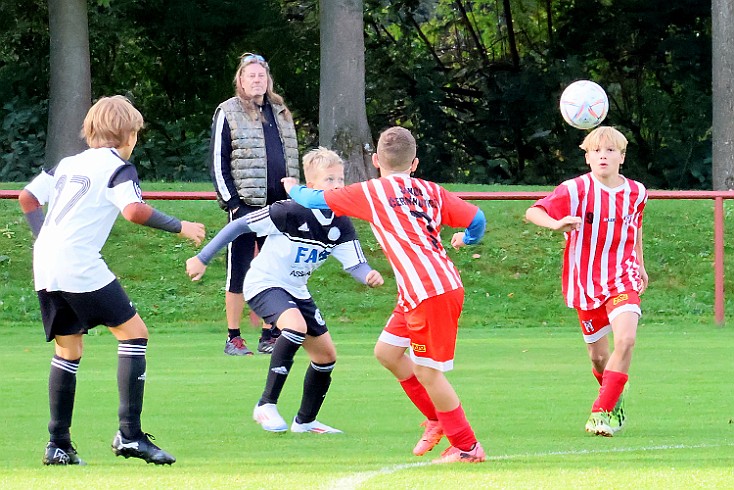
[316, 427]
[268, 417]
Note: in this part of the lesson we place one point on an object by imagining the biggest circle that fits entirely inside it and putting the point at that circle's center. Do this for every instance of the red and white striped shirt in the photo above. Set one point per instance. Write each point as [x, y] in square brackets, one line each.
[406, 215]
[600, 260]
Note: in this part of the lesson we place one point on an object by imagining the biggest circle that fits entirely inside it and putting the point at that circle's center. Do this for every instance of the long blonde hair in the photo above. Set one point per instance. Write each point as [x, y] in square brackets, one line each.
[247, 102]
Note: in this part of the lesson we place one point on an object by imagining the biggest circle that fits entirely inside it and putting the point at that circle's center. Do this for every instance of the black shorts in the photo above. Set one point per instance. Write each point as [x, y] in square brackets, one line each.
[72, 313]
[241, 252]
[271, 303]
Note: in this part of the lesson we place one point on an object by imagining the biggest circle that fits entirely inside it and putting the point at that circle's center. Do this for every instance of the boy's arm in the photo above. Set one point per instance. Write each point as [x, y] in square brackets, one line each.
[196, 266]
[32, 210]
[540, 217]
[366, 275]
[308, 198]
[143, 214]
[643, 272]
[473, 233]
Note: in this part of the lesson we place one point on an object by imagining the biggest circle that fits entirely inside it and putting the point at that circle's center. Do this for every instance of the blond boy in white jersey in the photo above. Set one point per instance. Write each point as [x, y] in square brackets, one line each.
[76, 290]
[299, 241]
[604, 273]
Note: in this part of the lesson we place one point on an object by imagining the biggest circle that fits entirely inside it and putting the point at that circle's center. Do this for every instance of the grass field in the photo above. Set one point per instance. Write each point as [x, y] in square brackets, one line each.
[521, 371]
[526, 391]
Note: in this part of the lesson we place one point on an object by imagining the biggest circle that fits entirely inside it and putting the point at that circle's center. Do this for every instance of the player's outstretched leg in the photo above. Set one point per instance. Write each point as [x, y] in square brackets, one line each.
[61, 394]
[281, 360]
[315, 386]
[142, 448]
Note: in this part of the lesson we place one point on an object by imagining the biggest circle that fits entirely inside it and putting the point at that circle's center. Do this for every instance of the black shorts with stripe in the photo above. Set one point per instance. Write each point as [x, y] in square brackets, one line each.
[65, 313]
[272, 302]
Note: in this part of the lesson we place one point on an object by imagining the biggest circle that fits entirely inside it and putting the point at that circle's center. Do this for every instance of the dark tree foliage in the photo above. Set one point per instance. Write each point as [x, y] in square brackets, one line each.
[177, 58]
[483, 116]
[481, 98]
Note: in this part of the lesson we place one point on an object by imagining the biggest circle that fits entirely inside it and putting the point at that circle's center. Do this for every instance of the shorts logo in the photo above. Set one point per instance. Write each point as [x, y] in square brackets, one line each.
[620, 298]
[588, 325]
[417, 347]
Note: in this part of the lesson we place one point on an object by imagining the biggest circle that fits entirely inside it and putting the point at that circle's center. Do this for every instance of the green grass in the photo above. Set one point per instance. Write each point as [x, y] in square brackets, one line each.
[527, 393]
[521, 370]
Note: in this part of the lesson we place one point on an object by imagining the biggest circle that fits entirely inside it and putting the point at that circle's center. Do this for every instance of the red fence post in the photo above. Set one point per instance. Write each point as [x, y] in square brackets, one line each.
[719, 260]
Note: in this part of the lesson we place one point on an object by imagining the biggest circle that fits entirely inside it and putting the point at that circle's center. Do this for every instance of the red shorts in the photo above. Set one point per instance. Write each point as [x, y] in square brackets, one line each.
[597, 323]
[429, 330]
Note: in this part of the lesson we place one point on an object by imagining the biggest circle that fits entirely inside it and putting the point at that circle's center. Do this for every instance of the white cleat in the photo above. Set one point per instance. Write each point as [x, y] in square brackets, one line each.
[268, 417]
[315, 427]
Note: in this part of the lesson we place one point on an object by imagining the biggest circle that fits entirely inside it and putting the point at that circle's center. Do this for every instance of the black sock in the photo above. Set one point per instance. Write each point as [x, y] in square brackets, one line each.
[61, 392]
[131, 385]
[281, 360]
[233, 332]
[274, 332]
[266, 334]
[315, 385]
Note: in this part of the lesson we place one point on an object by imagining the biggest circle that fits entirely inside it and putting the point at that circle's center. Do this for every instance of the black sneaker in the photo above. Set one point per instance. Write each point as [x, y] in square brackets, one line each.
[140, 448]
[54, 455]
[266, 346]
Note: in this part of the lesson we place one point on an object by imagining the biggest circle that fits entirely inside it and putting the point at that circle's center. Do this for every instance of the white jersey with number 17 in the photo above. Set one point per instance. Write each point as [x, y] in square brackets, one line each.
[85, 194]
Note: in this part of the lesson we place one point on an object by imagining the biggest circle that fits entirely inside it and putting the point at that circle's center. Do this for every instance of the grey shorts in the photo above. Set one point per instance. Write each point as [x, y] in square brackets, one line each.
[271, 303]
[72, 313]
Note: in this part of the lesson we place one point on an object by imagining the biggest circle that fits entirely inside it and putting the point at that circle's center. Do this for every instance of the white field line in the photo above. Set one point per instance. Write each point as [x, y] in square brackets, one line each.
[353, 482]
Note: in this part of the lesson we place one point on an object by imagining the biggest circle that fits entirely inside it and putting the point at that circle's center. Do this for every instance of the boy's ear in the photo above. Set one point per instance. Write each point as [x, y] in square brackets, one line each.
[414, 165]
[375, 161]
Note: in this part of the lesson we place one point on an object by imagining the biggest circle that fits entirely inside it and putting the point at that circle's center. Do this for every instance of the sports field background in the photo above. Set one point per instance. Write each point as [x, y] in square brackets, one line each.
[521, 371]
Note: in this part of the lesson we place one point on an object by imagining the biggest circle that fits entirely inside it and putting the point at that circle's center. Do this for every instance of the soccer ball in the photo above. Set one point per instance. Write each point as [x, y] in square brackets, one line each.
[584, 104]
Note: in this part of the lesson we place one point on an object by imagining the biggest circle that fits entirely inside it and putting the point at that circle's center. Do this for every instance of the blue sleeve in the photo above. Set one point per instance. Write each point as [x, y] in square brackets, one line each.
[227, 234]
[359, 272]
[475, 231]
[308, 198]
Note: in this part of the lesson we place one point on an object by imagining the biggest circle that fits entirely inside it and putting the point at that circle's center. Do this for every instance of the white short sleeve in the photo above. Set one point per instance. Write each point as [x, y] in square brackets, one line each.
[41, 187]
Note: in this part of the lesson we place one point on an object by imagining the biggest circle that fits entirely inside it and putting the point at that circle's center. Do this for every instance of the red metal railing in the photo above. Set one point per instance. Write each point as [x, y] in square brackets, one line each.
[717, 196]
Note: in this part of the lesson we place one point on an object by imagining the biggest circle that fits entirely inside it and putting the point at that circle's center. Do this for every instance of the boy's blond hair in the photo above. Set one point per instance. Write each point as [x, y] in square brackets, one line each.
[396, 148]
[612, 135]
[110, 122]
[319, 159]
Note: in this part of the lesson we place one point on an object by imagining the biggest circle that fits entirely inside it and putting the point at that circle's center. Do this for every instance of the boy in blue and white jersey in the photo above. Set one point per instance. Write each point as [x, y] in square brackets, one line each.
[298, 242]
[76, 290]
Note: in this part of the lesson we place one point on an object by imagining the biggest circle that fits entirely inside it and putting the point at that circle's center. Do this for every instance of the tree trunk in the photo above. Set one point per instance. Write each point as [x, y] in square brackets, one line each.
[343, 123]
[722, 16]
[71, 86]
[514, 54]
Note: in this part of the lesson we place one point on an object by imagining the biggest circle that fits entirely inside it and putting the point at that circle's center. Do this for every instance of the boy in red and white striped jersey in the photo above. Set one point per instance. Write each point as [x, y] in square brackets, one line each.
[600, 214]
[406, 215]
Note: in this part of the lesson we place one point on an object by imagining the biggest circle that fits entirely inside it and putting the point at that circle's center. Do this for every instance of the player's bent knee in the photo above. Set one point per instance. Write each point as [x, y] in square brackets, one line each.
[134, 328]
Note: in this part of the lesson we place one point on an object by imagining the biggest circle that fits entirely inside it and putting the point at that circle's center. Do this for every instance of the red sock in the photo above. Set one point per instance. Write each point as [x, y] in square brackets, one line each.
[419, 396]
[457, 428]
[597, 375]
[611, 388]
